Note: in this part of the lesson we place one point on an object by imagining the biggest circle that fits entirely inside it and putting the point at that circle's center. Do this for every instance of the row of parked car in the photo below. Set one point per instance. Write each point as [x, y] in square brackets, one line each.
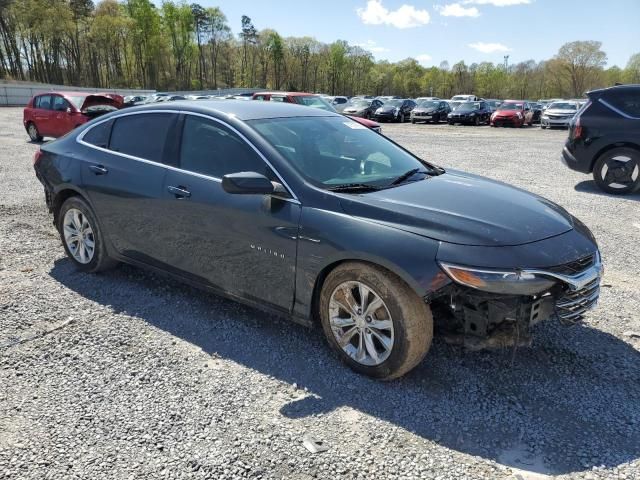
[54, 114]
[466, 109]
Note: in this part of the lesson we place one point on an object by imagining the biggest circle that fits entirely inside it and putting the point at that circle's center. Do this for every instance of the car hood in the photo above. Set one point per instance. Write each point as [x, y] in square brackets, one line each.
[558, 111]
[110, 99]
[387, 109]
[354, 109]
[363, 121]
[425, 110]
[462, 208]
[464, 112]
[509, 113]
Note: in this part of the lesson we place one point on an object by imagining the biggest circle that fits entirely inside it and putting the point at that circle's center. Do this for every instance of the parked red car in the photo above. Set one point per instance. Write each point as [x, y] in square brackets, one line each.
[311, 100]
[54, 114]
[513, 113]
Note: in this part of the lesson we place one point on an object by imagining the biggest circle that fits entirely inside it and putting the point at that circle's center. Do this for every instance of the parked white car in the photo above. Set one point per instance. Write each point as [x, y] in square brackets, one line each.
[559, 114]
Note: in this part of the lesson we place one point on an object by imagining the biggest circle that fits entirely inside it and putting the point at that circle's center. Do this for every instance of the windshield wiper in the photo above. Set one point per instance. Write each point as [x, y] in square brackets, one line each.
[406, 176]
[353, 187]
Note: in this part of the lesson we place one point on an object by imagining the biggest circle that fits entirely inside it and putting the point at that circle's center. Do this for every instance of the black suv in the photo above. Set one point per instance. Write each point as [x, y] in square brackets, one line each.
[604, 138]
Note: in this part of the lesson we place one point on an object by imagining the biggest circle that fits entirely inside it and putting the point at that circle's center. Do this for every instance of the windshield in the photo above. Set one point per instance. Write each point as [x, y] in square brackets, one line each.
[315, 102]
[393, 103]
[468, 106]
[563, 106]
[428, 104]
[331, 151]
[511, 106]
[77, 100]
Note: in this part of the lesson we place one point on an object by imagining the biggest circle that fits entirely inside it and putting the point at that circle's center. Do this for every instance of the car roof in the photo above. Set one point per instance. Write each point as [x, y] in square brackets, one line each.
[600, 91]
[240, 109]
[67, 93]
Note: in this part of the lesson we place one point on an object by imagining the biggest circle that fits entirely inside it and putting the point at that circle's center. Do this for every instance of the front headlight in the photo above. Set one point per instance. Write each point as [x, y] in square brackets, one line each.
[450, 115]
[507, 282]
[519, 115]
[472, 114]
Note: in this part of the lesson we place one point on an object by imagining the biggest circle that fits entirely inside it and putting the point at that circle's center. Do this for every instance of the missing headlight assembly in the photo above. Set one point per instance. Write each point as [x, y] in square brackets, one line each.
[485, 308]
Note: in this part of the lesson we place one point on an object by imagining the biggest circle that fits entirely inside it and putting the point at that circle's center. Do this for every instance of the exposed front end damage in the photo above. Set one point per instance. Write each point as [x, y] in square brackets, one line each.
[478, 319]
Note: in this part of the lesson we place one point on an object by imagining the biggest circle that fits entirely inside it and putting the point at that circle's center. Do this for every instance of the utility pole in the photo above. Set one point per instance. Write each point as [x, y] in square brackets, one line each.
[506, 62]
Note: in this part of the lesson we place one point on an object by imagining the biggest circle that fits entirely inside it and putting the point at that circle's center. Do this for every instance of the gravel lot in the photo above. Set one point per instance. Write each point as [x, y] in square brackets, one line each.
[127, 375]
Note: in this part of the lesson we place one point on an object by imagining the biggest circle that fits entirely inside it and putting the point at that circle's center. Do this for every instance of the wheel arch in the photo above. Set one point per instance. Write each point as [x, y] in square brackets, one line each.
[61, 196]
[611, 146]
[374, 262]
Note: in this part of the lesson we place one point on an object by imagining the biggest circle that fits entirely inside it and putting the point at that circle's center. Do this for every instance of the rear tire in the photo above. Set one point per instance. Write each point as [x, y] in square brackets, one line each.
[383, 343]
[82, 237]
[618, 171]
[33, 132]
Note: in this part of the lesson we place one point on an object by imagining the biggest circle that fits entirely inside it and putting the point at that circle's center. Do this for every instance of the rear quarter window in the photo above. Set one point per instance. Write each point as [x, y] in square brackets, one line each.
[99, 135]
[626, 100]
[141, 135]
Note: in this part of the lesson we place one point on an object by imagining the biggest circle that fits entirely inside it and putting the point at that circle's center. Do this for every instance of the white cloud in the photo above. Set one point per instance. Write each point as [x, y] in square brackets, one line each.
[423, 58]
[457, 10]
[498, 3]
[489, 47]
[372, 47]
[407, 16]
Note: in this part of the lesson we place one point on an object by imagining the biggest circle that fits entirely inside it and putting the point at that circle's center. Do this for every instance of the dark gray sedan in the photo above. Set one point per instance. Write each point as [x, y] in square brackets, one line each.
[310, 215]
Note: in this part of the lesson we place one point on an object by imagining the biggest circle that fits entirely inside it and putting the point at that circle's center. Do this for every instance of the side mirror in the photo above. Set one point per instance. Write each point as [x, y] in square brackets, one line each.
[247, 183]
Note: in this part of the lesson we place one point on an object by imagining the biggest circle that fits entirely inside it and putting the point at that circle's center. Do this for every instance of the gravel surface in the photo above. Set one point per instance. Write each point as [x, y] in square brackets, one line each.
[128, 375]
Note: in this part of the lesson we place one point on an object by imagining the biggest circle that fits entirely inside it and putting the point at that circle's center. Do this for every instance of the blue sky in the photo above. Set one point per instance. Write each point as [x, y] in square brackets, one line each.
[453, 30]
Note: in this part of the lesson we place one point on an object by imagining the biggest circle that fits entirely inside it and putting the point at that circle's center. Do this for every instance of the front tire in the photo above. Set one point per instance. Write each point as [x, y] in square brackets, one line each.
[618, 171]
[374, 321]
[82, 237]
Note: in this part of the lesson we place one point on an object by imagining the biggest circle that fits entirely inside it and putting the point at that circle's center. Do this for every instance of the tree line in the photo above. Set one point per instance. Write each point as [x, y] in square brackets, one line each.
[180, 46]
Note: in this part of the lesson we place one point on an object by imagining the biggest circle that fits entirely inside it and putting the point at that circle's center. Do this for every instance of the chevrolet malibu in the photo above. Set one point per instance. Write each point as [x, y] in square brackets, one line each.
[309, 215]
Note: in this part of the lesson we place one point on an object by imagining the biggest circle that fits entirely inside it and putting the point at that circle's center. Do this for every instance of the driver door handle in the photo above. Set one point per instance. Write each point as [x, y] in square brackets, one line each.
[179, 192]
[98, 169]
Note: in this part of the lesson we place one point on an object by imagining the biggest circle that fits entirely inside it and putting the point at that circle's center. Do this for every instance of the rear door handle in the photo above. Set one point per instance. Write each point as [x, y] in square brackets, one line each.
[179, 192]
[98, 169]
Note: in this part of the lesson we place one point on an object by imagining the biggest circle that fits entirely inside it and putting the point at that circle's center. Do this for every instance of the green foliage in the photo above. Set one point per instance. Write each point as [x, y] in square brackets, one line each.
[182, 46]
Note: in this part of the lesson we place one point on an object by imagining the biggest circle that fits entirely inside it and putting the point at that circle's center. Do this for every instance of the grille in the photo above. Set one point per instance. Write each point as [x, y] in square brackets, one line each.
[577, 266]
[574, 304]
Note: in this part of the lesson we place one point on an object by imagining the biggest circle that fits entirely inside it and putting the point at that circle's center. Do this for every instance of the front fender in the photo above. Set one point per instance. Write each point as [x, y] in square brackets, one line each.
[327, 238]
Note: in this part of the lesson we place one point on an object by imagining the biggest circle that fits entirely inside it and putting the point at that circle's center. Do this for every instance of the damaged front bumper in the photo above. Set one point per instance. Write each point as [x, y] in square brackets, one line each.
[503, 316]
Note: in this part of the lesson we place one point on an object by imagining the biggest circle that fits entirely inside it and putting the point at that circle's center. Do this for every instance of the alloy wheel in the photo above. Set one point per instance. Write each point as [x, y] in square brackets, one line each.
[78, 235]
[620, 172]
[361, 323]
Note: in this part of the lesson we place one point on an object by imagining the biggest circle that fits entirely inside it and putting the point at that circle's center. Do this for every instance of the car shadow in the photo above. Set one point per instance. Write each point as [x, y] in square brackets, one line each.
[589, 186]
[567, 404]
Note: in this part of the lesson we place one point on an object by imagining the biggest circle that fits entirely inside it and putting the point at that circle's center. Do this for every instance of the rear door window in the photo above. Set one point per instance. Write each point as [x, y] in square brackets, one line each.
[627, 100]
[43, 102]
[141, 135]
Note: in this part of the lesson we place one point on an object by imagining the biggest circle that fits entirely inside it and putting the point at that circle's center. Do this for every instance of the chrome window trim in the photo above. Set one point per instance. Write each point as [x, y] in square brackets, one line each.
[80, 140]
[617, 110]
